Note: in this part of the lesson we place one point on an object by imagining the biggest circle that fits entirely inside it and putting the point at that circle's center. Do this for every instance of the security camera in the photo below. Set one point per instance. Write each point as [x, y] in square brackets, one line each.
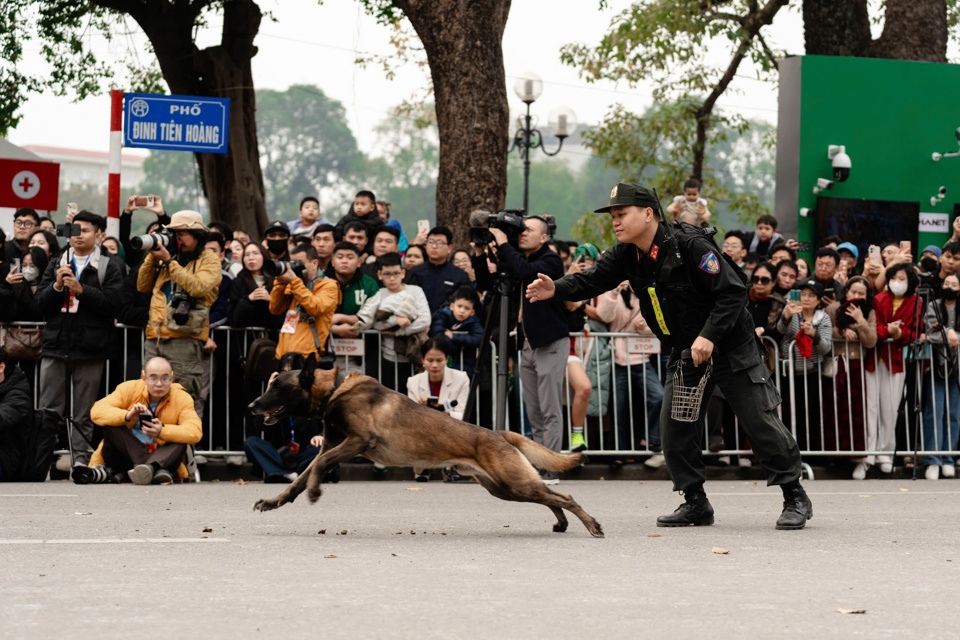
[823, 183]
[841, 162]
[934, 201]
[804, 212]
[943, 191]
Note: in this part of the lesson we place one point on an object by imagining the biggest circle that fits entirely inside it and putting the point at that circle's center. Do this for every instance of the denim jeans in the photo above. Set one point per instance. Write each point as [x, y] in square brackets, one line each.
[262, 454]
[938, 434]
[646, 393]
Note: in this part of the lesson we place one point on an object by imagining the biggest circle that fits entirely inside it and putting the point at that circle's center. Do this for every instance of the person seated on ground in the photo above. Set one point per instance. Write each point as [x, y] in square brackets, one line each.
[441, 388]
[16, 416]
[459, 323]
[148, 424]
[294, 443]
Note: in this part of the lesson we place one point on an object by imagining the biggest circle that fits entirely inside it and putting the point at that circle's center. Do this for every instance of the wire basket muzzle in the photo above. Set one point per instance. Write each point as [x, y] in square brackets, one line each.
[688, 385]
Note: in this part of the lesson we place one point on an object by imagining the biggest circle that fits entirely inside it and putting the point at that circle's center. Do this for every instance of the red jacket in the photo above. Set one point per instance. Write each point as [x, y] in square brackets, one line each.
[892, 352]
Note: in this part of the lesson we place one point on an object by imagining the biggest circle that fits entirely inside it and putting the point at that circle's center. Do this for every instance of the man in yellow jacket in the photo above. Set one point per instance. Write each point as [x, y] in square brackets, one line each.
[305, 298]
[184, 278]
[148, 424]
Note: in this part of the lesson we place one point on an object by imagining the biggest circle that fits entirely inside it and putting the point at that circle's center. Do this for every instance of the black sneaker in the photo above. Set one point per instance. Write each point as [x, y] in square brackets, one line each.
[695, 511]
[81, 474]
[797, 508]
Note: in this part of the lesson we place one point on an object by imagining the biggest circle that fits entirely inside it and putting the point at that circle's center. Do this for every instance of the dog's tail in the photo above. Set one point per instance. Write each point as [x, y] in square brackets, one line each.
[541, 457]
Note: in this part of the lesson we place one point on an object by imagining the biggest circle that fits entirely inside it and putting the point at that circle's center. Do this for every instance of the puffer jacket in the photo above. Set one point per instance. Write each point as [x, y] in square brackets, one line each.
[175, 411]
[319, 303]
[200, 278]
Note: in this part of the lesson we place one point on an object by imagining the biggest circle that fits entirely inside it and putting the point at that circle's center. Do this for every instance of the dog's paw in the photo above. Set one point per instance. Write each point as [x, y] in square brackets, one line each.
[597, 531]
[265, 505]
[314, 494]
[560, 528]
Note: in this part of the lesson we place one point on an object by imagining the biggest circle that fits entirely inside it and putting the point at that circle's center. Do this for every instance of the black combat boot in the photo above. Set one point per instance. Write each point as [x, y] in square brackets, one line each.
[696, 511]
[797, 508]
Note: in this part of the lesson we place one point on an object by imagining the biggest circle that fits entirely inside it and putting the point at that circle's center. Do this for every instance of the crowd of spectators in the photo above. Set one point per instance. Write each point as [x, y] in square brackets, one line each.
[837, 334]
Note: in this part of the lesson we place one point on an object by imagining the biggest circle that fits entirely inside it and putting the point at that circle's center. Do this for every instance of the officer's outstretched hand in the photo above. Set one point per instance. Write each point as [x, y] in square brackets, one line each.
[541, 289]
[701, 350]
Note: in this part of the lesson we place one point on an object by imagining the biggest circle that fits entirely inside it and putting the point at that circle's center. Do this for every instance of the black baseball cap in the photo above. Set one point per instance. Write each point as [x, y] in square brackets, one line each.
[626, 194]
[277, 225]
[811, 284]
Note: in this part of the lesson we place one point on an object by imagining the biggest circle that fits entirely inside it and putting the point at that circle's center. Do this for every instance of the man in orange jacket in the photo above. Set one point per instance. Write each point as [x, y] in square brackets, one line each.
[307, 298]
[148, 424]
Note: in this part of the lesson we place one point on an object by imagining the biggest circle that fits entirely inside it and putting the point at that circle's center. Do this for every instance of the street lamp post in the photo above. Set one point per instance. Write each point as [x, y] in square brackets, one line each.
[562, 122]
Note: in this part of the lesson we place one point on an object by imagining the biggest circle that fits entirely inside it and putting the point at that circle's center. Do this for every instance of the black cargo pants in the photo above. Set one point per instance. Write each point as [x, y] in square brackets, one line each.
[749, 387]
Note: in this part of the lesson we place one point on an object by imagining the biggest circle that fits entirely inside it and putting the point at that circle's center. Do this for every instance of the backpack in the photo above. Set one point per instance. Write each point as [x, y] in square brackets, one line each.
[260, 360]
[38, 445]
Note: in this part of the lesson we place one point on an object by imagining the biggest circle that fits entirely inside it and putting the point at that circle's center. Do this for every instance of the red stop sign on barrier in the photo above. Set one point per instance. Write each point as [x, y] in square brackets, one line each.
[25, 183]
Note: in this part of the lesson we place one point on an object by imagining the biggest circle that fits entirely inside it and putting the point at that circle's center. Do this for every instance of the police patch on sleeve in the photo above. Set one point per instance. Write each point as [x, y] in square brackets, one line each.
[710, 263]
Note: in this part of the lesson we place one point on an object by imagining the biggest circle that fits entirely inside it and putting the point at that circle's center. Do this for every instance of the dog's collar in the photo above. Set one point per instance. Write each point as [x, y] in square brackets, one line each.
[341, 376]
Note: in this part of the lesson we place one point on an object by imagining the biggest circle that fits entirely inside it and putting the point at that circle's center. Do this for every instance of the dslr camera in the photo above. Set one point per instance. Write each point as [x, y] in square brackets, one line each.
[68, 230]
[273, 268]
[150, 241]
[510, 221]
[182, 304]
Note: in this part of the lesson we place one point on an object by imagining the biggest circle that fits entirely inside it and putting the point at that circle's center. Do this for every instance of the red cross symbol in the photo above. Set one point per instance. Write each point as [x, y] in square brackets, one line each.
[25, 184]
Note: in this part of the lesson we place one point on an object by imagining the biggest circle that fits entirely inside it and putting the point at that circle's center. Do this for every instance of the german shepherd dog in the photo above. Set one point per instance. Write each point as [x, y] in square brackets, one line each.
[363, 418]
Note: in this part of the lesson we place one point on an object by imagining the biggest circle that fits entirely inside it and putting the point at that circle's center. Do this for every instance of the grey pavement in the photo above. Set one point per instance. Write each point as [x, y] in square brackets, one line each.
[442, 561]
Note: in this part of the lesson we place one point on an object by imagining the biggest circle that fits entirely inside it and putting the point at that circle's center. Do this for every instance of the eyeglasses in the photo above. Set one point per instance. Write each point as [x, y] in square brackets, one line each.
[165, 379]
[760, 279]
[437, 243]
[391, 275]
[24, 224]
[462, 261]
[732, 245]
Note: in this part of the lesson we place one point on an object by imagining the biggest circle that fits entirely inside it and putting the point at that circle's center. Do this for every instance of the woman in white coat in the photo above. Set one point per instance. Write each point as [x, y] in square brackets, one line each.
[439, 387]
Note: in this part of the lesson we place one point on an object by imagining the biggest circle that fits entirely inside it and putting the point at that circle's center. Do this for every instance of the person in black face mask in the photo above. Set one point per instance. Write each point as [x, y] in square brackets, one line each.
[277, 237]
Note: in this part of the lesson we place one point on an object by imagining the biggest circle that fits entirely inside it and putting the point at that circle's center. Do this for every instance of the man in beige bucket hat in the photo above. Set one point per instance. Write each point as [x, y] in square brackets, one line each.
[184, 278]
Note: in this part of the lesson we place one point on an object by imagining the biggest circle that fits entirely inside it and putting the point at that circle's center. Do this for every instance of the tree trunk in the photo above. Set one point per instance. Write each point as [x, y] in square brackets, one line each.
[232, 182]
[835, 27]
[912, 30]
[463, 45]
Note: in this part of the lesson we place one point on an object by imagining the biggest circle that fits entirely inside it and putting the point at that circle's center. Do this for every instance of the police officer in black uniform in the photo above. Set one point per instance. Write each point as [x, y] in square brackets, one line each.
[693, 298]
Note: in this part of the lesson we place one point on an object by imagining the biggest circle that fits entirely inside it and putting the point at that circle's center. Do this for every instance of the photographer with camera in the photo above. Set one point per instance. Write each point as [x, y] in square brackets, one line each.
[147, 426]
[545, 335]
[77, 296]
[153, 203]
[185, 279]
[307, 298]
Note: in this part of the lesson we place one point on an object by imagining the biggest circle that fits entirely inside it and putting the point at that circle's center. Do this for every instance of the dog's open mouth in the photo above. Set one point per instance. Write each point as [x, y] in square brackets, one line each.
[271, 416]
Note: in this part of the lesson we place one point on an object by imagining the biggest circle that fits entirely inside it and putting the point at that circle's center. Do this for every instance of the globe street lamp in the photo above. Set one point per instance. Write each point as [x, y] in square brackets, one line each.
[562, 122]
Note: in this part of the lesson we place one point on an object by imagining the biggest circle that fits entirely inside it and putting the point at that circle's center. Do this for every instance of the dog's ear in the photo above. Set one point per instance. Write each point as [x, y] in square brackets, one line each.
[306, 374]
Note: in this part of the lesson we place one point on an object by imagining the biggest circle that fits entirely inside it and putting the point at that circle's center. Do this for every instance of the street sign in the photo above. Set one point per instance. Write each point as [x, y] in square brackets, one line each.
[176, 123]
[26, 183]
[348, 346]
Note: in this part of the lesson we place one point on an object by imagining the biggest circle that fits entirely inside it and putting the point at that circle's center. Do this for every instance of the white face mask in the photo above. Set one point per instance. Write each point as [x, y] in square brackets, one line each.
[898, 288]
[30, 274]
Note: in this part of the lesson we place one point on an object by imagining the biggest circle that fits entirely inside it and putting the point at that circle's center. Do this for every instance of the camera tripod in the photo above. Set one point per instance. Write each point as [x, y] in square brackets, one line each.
[503, 290]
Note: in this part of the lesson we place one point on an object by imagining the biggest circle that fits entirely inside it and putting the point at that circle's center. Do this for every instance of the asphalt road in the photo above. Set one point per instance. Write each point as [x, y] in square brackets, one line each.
[402, 560]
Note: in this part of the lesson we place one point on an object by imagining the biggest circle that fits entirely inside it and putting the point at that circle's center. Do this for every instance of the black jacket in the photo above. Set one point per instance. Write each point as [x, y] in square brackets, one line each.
[371, 221]
[86, 334]
[545, 321]
[700, 292]
[439, 282]
[16, 419]
[244, 312]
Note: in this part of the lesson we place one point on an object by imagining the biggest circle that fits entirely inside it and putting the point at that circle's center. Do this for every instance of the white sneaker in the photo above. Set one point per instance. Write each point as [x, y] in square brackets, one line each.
[860, 471]
[886, 467]
[933, 472]
[948, 471]
[236, 461]
[655, 461]
[744, 461]
[723, 461]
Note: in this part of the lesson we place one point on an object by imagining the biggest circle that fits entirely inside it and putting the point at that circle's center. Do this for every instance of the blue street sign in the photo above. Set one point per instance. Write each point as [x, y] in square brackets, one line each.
[176, 123]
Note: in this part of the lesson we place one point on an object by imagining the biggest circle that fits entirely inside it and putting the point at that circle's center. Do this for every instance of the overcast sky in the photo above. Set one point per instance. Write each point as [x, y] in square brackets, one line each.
[316, 44]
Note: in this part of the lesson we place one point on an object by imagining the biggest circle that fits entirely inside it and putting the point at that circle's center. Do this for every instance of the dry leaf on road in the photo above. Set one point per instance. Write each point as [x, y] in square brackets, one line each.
[241, 481]
[657, 535]
[839, 610]
[207, 530]
[414, 488]
[330, 556]
[720, 551]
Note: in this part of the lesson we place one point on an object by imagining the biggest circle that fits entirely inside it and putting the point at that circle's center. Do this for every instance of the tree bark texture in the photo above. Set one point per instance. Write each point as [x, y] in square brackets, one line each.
[462, 40]
[232, 182]
[912, 30]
